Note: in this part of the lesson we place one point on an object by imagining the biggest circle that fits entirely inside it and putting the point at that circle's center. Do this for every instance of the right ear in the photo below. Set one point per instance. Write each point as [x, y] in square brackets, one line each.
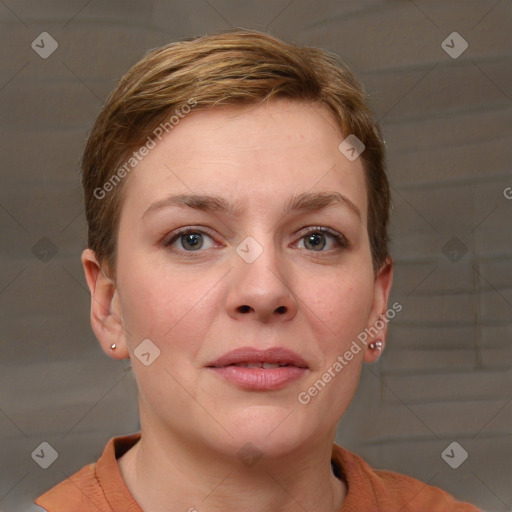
[106, 312]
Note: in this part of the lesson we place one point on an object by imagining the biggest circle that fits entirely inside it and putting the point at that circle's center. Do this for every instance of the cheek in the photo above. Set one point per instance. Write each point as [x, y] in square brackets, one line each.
[144, 300]
[340, 304]
[167, 306]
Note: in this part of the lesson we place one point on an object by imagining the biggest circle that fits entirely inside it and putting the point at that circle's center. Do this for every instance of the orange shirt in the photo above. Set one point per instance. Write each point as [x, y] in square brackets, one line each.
[100, 487]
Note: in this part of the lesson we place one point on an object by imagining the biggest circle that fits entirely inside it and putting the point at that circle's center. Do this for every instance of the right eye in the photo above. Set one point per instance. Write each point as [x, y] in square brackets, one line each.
[189, 240]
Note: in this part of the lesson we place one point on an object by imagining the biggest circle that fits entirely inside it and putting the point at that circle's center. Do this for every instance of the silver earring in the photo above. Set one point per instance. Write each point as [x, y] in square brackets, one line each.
[375, 345]
[113, 346]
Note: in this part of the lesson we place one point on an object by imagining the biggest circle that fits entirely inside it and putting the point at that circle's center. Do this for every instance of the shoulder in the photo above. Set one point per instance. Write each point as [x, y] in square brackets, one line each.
[97, 487]
[416, 495]
[80, 492]
[390, 491]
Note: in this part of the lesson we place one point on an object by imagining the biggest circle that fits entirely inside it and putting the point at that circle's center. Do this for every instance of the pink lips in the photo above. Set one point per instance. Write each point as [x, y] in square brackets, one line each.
[260, 370]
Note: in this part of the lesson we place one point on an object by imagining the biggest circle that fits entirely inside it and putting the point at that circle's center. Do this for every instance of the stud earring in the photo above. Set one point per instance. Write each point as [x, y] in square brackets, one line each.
[376, 345]
[113, 346]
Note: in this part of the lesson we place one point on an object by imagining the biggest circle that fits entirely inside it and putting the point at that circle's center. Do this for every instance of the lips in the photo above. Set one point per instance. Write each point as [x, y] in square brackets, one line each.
[267, 366]
[259, 370]
[249, 357]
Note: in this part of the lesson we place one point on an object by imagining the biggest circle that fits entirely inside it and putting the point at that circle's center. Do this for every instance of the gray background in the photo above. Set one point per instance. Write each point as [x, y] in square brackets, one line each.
[446, 374]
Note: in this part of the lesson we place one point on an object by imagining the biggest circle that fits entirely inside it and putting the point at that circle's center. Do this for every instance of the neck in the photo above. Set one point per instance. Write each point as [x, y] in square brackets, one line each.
[161, 470]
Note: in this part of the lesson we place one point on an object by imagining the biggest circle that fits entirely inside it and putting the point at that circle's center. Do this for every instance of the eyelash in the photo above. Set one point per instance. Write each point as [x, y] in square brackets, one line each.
[338, 237]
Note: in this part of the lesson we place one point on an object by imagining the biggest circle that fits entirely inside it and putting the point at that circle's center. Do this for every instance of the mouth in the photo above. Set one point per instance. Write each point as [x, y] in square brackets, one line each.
[259, 370]
[249, 357]
[260, 364]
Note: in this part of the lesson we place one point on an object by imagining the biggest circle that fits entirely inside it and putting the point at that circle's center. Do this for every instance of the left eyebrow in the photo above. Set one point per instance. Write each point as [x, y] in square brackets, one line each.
[302, 202]
[320, 200]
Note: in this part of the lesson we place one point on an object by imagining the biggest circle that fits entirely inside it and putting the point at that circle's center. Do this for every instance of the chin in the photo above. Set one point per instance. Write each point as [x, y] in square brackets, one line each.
[275, 430]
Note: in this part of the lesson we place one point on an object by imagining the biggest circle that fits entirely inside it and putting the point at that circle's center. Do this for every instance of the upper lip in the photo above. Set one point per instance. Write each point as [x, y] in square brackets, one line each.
[279, 355]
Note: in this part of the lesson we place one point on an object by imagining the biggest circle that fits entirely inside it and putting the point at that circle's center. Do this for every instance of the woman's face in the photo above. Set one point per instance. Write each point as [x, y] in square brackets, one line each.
[265, 251]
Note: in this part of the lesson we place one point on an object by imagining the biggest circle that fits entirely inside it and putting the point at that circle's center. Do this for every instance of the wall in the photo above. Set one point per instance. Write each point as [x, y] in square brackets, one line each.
[446, 373]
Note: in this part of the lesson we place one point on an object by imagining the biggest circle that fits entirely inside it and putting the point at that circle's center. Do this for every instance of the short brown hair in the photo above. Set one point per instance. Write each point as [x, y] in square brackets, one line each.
[229, 68]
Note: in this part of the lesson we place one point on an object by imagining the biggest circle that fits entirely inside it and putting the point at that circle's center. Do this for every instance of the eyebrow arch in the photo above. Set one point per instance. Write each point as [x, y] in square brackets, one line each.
[306, 201]
[319, 200]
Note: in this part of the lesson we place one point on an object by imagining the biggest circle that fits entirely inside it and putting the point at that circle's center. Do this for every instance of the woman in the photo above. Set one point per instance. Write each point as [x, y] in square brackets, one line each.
[237, 204]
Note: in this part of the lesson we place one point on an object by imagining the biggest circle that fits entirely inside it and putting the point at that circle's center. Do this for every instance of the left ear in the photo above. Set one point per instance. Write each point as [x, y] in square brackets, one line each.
[377, 325]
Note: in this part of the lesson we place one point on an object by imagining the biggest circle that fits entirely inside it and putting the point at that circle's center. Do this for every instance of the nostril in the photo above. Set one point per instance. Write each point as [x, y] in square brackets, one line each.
[281, 310]
[244, 309]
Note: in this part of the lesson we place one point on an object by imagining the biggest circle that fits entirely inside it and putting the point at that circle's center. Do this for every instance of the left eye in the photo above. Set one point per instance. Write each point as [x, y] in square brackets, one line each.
[321, 239]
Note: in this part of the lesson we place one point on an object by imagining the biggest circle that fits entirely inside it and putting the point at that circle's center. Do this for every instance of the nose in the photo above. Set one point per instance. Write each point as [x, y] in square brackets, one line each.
[261, 289]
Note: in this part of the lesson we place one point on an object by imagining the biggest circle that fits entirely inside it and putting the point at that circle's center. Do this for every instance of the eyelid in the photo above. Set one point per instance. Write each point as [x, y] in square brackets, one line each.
[174, 235]
[339, 237]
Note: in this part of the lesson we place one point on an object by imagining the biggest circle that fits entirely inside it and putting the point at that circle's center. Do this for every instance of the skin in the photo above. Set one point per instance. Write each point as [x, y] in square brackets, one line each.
[197, 305]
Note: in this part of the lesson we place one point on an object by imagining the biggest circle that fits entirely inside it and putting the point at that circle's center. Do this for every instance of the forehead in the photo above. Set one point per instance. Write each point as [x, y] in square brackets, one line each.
[259, 155]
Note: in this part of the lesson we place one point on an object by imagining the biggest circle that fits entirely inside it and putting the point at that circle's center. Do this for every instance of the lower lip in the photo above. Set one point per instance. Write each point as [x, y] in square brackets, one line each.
[260, 379]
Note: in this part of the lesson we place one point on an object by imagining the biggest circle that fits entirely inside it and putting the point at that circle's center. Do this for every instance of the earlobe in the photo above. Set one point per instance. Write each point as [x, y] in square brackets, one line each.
[106, 313]
[377, 321]
[373, 351]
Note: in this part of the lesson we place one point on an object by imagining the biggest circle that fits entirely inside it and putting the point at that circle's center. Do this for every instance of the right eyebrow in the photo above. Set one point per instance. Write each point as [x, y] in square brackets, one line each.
[198, 202]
